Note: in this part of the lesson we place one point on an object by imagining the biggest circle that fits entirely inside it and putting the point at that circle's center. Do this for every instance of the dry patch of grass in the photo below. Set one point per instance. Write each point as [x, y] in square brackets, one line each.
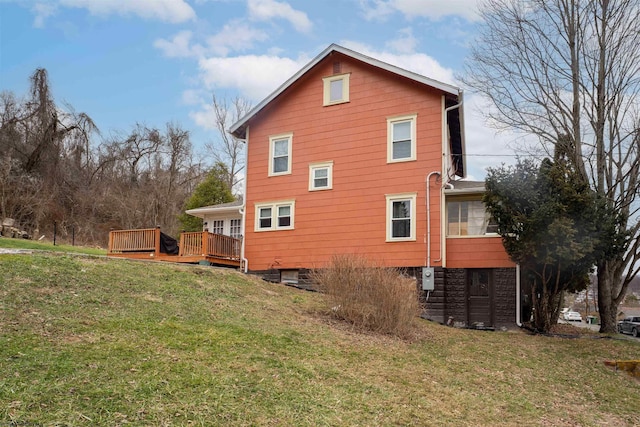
[115, 342]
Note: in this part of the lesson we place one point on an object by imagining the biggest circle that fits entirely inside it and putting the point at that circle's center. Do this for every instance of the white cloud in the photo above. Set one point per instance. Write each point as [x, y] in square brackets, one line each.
[254, 76]
[235, 36]
[205, 117]
[404, 43]
[42, 11]
[417, 62]
[266, 10]
[179, 46]
[174, 11]
[376, 10]
[192, 97]
[432, 9]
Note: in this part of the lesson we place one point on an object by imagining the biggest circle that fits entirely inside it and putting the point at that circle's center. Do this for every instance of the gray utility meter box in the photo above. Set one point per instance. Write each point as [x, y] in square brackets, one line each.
[428, 280]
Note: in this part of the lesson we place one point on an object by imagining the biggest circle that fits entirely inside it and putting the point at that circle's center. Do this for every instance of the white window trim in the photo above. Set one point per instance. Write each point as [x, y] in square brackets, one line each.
[396, 198]
[272, 139]
[274, 215]
[321, 165]
[413, 118]
[326, 95]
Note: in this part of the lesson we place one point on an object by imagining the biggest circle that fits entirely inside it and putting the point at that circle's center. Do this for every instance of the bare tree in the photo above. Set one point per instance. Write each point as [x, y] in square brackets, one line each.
[553, 68]
[228, 149]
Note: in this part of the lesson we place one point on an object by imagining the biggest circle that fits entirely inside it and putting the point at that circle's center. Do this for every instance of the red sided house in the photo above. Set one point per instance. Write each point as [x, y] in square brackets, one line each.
[353, 155]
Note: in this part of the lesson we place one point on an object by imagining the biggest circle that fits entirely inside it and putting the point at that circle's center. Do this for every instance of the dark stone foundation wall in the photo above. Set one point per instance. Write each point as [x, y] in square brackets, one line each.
[305, 280]
[505, 297]
[449, 297]
[448, 301]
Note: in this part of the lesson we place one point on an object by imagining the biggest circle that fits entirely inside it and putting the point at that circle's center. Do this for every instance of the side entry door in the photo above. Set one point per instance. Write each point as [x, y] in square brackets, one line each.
[480, 297]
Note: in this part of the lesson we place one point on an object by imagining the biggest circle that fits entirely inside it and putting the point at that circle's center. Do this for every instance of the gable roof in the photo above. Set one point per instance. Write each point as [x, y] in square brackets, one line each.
[454, 116]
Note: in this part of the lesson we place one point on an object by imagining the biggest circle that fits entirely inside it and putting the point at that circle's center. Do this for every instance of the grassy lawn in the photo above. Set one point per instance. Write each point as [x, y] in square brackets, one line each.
[8, 243]
[96, 341]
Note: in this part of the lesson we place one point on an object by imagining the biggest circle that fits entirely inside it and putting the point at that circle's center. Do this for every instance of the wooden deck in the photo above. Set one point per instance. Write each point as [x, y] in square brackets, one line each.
[194, 247]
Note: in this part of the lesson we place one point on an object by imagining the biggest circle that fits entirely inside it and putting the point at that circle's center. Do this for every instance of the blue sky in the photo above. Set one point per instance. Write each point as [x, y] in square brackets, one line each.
[156, 61]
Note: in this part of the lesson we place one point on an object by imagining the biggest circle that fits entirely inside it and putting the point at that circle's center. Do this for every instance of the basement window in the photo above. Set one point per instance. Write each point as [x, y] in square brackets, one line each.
[289, 277]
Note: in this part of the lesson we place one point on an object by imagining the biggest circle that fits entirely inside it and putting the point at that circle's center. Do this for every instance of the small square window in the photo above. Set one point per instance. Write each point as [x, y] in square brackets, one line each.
[401, 217]
[401, 139]
[336, 89]
[280, 154]
[320, 176]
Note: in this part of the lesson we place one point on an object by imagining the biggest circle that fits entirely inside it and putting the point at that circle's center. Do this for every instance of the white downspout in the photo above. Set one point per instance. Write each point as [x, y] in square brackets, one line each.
[243, 209]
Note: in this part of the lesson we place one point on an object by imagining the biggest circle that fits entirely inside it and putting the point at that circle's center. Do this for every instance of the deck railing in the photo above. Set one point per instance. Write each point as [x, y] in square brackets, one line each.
[142, 240]
[192, 244]
[209, 244]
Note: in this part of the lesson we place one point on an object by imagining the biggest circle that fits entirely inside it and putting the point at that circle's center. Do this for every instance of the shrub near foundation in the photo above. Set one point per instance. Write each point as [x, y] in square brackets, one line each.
[368, 296]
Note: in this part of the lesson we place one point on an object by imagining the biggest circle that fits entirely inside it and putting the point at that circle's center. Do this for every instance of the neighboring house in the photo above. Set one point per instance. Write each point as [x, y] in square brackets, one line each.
[353, 155]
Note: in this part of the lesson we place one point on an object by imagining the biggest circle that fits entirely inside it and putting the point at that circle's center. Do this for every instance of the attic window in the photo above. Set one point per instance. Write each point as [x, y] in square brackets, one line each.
[336, 89]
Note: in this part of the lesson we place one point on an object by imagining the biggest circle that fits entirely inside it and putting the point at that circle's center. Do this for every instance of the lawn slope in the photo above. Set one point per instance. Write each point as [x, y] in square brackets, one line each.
[95, 341]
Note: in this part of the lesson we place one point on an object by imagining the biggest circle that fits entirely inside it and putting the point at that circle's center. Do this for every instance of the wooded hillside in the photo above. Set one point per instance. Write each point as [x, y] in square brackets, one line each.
[57, 167]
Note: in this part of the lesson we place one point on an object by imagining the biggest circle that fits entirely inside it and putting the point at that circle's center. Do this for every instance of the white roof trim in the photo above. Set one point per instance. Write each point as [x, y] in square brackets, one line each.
[200, 212]
[453, 90]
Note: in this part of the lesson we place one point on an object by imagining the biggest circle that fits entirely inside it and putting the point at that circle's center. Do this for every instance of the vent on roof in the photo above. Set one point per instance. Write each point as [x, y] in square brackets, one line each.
[337, 68]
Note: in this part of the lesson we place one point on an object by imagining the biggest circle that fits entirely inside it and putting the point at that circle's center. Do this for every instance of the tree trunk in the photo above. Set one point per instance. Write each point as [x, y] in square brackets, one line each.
[607, 301]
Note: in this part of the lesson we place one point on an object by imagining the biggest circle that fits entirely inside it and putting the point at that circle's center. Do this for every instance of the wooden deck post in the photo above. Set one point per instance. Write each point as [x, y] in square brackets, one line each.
[157, 241]
[110, 241]
[205, 243]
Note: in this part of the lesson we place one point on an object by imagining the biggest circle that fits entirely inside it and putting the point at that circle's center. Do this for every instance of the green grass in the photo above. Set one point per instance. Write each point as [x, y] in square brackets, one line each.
[48, 246]
[97, 341]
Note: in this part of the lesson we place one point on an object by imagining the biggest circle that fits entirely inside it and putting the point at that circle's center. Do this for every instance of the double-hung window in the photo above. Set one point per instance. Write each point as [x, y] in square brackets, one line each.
[401, 217]
[320, 176]
[336, 89]
[280, 154]
[401, 138]
[275, 216]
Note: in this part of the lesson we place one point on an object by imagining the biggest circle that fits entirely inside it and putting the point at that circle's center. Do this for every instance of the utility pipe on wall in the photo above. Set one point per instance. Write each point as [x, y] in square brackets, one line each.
[428, 202]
